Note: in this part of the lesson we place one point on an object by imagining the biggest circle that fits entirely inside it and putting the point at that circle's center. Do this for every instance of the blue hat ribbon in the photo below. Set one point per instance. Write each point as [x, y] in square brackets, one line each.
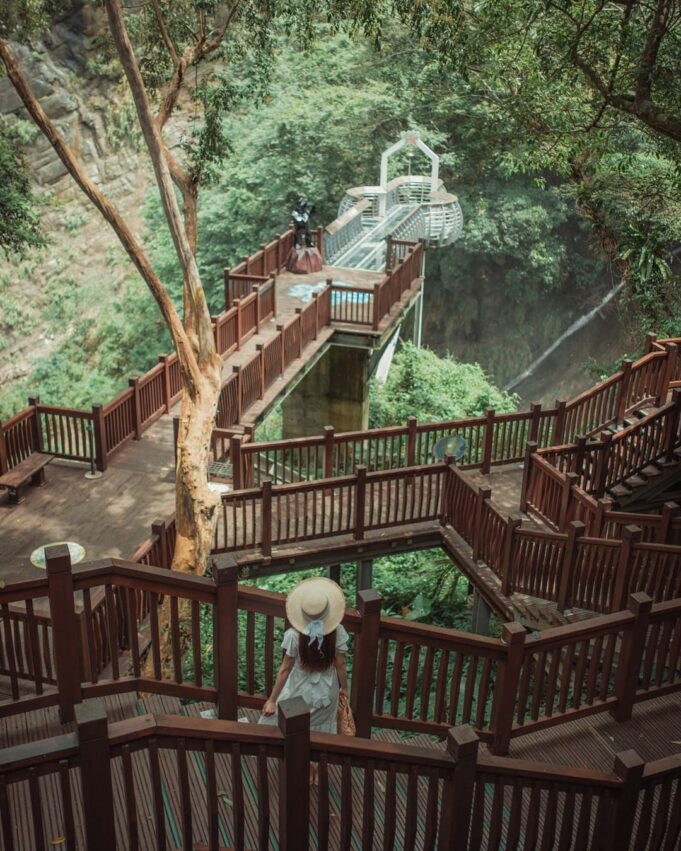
[315, 631]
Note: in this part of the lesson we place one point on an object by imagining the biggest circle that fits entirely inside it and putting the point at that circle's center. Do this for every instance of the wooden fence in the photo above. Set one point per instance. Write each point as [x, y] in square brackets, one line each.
[406, 676]
[566, 482]
[258, 268]
[99, 433]
[91, 786]
[593, 565]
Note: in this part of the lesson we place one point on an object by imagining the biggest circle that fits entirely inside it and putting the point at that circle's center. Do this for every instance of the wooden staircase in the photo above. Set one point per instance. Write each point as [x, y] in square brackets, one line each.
[650, 488]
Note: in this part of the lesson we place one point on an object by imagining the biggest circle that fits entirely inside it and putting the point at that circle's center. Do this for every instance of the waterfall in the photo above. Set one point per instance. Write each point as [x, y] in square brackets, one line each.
[576, 325]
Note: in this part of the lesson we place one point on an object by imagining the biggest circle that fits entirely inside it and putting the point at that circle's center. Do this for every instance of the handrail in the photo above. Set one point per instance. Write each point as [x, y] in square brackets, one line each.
[456, 779]
[483, 686]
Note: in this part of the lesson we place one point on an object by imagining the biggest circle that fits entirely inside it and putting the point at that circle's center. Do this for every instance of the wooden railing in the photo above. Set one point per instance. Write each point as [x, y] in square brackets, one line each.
[281, 515]
[492, 440]
[65, 432]
[369, 793]
[406, 675]
[562, 483]
[258, 268]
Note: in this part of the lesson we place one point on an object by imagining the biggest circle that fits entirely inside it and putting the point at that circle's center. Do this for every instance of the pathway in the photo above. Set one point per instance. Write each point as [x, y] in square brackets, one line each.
[112, 515]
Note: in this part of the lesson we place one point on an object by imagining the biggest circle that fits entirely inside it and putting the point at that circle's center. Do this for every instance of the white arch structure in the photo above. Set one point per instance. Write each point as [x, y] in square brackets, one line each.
[412, 139]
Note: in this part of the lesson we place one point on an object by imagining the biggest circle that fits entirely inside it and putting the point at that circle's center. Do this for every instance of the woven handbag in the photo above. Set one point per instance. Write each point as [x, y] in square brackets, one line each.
[346, 723]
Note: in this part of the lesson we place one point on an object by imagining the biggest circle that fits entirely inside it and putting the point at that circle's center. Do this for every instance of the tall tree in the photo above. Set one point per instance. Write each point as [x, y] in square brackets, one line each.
[157, 45]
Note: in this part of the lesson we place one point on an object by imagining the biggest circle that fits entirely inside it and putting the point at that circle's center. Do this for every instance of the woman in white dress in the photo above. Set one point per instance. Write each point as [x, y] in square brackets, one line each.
[313, 666]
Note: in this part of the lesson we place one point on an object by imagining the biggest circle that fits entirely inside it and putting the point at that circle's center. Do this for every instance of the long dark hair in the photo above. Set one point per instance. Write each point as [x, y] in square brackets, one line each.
[315, 658]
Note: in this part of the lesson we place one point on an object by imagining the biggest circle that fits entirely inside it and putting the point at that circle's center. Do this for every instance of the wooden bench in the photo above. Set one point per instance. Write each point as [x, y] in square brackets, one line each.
[29, 471]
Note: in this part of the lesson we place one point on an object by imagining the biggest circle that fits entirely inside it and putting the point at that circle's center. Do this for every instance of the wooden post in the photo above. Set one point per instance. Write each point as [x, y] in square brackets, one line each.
[227, 293]
[65, 630]
[258, 307]
[569, 482]
[329, 436]
[34, 401]
[366, 653]
[512, 523]
[624, 390]
[294, 788]
[530, 448]
[274, 293]
[602, 465]
[389, 248]
[167, 394]
[631, 653]
[360, 500]
[649, 343]
[668, 374]
[299, 314]
[559, 424]
[411, 441]
[631, 535]
[158, 528]
[672, 427]
[670, 510]
[99, 431]
[376, 307]
[535, 409]
[280, 330]
[95, 775]
[4, 459]
[577, 465]
[575, 531]
[237, 303]
[266, 514]
[226, 639]
[503, 711]
[259, 349]
[482, 495]
[488, 442]
[134, 383]
[603, 506]
[237, 369]
[629, 768]
[457, 789]
[315, 299]
[236, 459]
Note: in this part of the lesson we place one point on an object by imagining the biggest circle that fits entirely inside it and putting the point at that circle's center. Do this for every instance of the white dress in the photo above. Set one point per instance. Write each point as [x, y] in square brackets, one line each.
[319, 689]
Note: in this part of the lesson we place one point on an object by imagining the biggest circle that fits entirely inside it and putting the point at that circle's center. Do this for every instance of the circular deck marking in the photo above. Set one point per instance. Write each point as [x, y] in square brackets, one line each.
[76, 551]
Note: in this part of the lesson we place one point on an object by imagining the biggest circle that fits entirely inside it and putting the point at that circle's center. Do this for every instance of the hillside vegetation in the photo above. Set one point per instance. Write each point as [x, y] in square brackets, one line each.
[552, 220]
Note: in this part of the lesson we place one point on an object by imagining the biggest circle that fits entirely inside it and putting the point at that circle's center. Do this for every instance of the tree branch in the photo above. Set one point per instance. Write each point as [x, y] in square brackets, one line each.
[152, 136]
[650, 51]
[165, 35]
[134, 250]
[191, 56]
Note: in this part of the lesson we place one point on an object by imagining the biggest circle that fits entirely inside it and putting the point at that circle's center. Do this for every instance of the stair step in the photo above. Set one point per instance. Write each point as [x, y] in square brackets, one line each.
[636, 482]
[620, 491]
[651, 471]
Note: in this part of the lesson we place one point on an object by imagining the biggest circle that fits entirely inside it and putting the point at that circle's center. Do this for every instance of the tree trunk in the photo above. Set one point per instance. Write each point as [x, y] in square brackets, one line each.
[195, 504]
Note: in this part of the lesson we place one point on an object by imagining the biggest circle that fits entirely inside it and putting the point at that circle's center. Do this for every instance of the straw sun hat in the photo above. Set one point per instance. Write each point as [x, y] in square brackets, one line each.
[315, 599]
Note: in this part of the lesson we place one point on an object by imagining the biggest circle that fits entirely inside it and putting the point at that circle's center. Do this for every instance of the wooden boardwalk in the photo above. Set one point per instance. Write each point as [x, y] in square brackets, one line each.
[590, 742]
[112, 515]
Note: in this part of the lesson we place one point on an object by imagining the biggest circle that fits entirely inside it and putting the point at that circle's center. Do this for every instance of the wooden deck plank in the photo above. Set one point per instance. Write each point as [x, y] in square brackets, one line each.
[589, 742]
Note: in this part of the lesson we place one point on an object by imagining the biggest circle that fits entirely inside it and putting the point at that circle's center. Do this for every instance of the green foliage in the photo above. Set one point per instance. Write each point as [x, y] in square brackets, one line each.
[430, 388]
[19, 221]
